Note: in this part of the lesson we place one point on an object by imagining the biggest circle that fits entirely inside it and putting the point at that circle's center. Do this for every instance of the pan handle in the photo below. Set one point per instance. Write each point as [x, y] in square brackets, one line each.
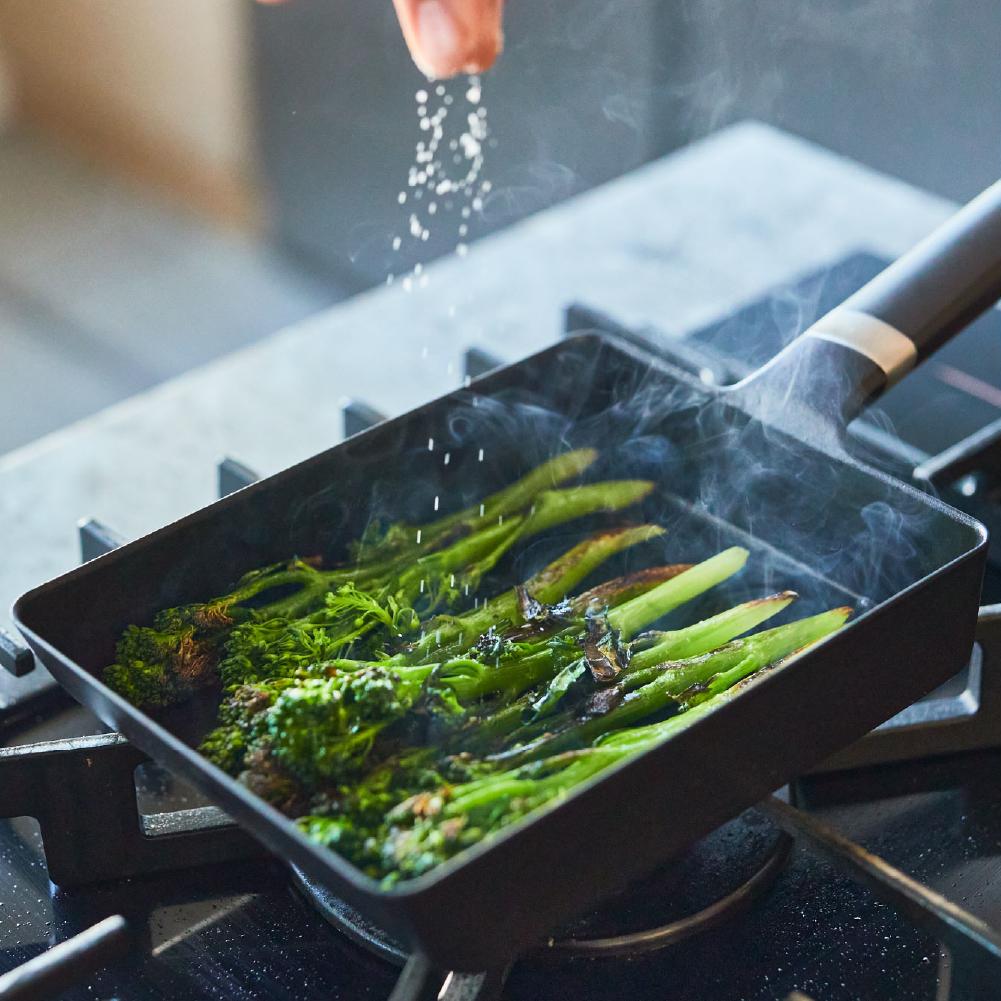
[855, 352]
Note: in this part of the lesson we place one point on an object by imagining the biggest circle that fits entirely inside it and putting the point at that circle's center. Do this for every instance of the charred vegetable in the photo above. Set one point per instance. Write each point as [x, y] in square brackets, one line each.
[401, 709]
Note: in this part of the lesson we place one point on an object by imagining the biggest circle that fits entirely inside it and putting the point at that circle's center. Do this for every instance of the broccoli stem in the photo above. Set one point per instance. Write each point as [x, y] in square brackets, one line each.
[619, 590]
[674, 679]
[549, 585]
[629, 618]
[516, 497]
[709, 633]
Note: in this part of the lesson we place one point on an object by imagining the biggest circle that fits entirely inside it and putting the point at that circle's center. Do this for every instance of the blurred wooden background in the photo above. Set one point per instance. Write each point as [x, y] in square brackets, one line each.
[157, 89]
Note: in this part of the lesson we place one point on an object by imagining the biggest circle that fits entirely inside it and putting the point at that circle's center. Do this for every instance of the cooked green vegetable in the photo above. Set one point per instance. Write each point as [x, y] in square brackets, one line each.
[401, 709]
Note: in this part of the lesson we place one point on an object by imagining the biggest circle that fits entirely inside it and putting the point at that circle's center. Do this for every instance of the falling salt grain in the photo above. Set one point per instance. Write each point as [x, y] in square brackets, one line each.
[440, 89]
[448, 457]
[408, 284]
[397, 242]
[430, 444]
[482, 506]
[422, 585]
[436, 503]
[473, 94]
[461, 249]
[422, 97]
[419, 532]
[480, 458]
[402, 197]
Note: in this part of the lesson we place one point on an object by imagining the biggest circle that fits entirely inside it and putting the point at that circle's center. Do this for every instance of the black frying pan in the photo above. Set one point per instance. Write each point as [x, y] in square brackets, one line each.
[760, 465]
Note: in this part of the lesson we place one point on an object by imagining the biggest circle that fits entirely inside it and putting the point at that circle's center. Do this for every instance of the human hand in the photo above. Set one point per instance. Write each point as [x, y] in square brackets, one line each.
[446, 37]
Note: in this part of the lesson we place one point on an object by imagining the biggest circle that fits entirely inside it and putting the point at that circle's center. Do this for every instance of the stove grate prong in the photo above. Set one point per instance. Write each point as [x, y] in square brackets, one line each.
[68, 964]
[973, 945]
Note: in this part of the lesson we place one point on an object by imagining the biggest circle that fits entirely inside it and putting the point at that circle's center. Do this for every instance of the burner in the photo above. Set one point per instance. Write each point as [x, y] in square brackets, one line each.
[716, 880]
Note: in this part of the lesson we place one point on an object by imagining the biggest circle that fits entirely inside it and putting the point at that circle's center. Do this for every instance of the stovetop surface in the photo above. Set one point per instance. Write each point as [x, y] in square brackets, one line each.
[243, 931]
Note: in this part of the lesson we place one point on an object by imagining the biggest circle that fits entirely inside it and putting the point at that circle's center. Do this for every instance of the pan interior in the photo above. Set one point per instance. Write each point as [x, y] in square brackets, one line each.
[833, 531]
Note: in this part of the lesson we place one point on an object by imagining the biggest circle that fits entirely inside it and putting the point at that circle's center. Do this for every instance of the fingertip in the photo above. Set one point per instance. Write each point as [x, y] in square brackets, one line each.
[447, 37]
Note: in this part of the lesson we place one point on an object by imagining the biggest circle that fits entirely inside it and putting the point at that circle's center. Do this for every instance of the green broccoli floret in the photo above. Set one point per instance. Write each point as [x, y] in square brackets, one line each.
[242, 724]
[226, 746]
[323, 729]
[344, 835]
[158, 668]
[278, 647]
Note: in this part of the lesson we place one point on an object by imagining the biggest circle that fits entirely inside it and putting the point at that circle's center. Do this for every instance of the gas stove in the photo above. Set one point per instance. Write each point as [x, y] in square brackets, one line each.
[879, 876]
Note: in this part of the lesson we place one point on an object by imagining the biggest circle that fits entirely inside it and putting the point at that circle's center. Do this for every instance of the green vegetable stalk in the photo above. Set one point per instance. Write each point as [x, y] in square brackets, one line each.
[398, 725]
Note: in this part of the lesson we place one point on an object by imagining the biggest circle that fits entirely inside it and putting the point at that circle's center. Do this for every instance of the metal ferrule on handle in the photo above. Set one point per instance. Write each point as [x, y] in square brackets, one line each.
[893, 323]
[894, 353]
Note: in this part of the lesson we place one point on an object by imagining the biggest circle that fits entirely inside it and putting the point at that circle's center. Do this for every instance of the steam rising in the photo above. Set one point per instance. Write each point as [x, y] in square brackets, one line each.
[835, 533]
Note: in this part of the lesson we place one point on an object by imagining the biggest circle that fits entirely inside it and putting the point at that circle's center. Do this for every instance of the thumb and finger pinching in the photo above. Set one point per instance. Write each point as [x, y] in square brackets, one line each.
[446, 37]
